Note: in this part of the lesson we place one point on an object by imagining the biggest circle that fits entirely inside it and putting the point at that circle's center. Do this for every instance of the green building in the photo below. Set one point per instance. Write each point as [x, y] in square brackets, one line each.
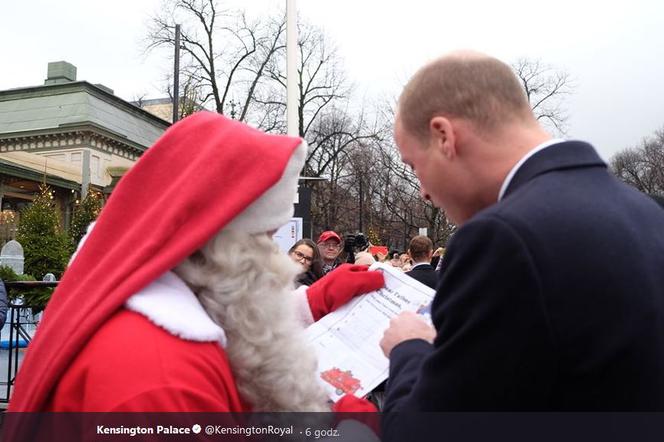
[71, 134]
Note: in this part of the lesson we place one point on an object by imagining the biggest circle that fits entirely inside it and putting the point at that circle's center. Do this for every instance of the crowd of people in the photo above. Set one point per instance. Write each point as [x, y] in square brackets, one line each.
[317, 259]
[548, 295]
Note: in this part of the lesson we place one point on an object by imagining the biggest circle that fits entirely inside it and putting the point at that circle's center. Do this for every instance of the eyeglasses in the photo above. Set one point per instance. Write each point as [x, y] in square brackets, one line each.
[329, 245]
[300, 256]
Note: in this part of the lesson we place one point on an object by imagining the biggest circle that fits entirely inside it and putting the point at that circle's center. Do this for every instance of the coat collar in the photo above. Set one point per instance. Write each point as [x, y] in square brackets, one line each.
[421, 265]
[169, 303]
[565, 155]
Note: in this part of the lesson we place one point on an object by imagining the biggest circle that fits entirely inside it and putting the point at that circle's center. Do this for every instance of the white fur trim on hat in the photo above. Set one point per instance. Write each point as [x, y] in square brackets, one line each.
[169, 303]
[275, 207]
[82, 241]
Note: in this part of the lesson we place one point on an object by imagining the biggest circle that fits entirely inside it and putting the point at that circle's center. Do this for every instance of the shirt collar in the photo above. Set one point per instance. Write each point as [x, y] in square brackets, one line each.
[516, 167]
[420, 264]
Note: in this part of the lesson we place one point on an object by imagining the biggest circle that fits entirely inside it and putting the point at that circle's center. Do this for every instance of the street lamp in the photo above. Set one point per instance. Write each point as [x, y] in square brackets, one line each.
[291, 68]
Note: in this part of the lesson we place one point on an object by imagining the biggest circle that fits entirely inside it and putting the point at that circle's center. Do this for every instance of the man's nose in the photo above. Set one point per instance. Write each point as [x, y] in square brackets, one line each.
[423, 193]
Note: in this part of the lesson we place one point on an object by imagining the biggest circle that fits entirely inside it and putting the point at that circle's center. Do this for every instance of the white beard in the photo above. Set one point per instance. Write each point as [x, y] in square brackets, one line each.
[245, 284]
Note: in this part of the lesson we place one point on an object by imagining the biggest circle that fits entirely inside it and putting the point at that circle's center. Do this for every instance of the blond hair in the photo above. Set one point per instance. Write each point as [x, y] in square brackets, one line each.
[245, 284]
[472, 86]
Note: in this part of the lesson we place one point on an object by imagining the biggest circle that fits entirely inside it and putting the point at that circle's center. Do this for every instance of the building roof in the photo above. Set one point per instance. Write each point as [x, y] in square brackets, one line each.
[76, 104]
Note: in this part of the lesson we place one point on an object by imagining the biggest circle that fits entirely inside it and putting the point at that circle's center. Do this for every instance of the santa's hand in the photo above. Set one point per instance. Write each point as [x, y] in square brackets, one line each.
[340, 286]
[405, 326]
[353, 404]
[359, 420]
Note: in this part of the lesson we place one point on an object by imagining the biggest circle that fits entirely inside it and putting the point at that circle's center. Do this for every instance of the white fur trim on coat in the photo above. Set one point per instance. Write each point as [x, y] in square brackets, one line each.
[302, 309]
[275, 207]
[169, 303]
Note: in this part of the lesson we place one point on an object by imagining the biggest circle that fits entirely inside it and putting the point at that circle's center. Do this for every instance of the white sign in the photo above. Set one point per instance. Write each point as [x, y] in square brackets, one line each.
[423, 231]
[288, 234]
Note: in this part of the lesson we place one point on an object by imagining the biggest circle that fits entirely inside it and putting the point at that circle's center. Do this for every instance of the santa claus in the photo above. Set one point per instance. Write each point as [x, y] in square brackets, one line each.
[179, 300]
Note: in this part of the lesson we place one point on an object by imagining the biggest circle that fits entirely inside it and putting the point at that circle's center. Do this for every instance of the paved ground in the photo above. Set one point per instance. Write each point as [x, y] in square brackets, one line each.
[4, 364]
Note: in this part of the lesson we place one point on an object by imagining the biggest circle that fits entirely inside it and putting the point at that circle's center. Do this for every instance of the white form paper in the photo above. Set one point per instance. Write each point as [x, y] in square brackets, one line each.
[347, 340]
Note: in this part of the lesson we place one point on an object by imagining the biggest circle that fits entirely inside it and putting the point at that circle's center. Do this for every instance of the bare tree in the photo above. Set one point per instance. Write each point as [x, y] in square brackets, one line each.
[642, 166]
[338, 133]
[139, 99]
[325, 117]
[545, 88]
[223, 53]
[345, 157]
[247, 81]
[371, 190]
[238, 67]
[321, 82]
[389, 203]
[404, 209]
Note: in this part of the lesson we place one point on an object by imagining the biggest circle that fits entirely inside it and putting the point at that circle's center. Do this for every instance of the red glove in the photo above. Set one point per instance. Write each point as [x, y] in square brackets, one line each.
[359, 410]
[353, 404]
[340, 286]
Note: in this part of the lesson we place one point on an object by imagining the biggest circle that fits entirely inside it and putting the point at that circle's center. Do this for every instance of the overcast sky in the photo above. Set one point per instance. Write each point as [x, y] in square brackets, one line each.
[614, 51]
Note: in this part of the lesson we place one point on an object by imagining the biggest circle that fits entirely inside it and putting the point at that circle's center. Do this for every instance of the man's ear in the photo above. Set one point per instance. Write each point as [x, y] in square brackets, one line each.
[442, 134]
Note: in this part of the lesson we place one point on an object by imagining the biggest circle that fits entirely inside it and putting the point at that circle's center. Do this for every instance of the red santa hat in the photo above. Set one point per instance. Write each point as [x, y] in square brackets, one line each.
[205, 174]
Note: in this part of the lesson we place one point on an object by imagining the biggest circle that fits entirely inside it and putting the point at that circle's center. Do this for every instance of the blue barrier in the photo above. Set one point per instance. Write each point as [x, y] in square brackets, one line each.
[4, 344]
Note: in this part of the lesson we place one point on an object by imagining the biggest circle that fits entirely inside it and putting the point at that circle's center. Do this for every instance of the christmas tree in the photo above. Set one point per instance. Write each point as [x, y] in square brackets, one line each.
[85, 212]
[45, 245]
[373, 237]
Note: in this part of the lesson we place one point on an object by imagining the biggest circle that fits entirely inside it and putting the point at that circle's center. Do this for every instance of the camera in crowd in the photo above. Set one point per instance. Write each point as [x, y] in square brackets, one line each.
[353, 243]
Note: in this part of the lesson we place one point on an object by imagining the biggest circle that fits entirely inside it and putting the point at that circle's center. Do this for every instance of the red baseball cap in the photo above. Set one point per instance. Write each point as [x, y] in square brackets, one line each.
[328, 234]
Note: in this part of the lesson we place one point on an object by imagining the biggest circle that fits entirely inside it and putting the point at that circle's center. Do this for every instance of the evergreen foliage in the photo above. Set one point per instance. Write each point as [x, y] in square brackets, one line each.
[84, 213]
[45, 245]
[37, 298]
[372, 236]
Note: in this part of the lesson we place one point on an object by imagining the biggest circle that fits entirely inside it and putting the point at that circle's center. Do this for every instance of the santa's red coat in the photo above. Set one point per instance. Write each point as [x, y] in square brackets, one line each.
[131, 364]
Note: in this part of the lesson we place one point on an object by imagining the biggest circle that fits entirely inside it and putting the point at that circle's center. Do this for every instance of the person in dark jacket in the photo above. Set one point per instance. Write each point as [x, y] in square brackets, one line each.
[551, 293]
[305, 253]
[420, 250]
[4, 305]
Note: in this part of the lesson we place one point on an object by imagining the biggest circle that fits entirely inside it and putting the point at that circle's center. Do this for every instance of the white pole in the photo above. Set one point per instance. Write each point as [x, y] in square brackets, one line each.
[291, 68]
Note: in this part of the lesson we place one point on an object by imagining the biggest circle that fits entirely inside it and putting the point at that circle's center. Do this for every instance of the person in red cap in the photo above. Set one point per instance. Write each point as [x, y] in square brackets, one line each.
[171, 303]
[329, 245]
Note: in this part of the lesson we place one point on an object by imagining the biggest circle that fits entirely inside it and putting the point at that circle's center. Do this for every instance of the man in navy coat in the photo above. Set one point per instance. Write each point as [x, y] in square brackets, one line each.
[551, 296]
[420, 250]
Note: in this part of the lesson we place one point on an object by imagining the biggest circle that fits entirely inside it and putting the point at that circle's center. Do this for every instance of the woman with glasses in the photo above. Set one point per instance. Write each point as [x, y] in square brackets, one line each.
[305, 253]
